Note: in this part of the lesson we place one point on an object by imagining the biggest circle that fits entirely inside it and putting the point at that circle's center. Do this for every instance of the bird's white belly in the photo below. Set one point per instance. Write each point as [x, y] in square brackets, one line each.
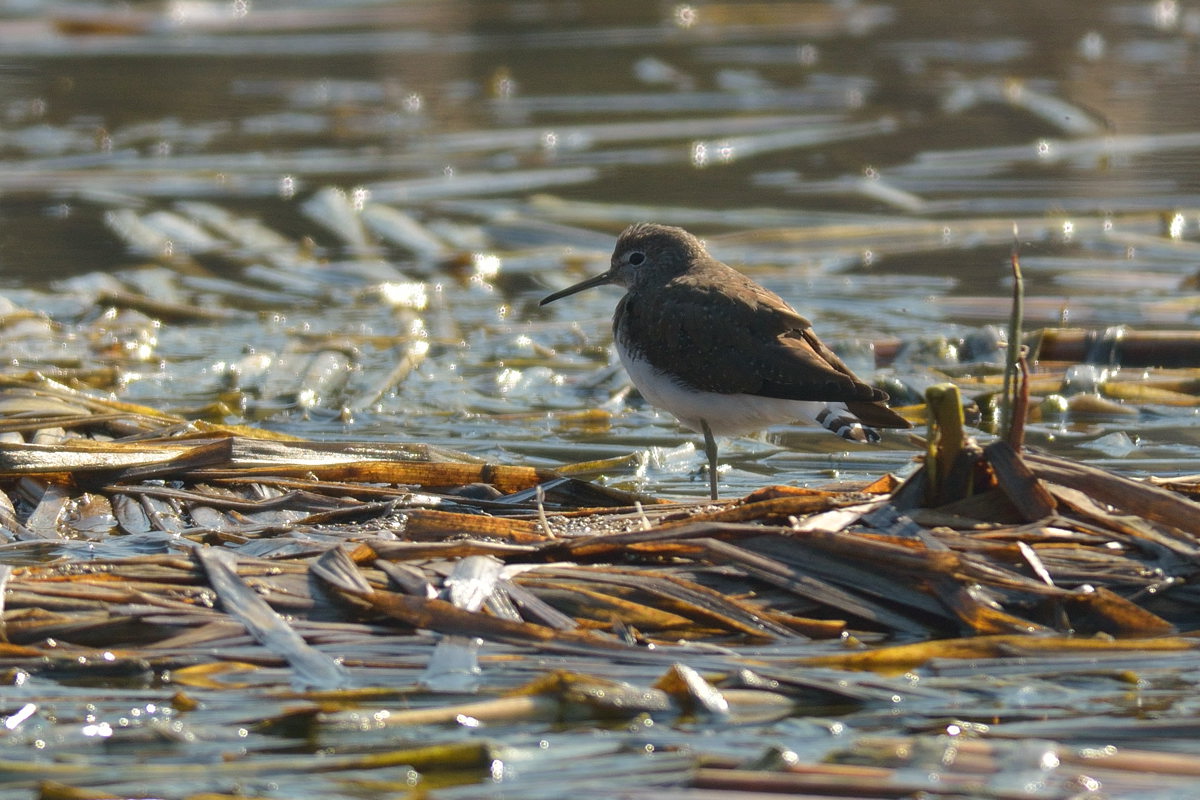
[726, 414]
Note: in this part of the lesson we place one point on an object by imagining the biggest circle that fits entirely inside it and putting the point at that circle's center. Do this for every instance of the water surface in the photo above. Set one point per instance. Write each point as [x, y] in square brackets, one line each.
[244, 166]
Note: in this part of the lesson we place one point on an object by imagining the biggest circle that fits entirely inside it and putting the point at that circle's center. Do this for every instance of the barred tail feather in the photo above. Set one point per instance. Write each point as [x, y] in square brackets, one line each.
[837, 418]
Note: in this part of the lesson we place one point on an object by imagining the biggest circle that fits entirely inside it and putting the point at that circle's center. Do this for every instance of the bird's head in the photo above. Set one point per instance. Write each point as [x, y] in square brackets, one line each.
[646, 255]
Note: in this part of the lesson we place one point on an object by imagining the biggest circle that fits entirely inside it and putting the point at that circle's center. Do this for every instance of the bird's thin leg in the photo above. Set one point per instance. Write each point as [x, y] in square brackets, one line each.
[710, 450]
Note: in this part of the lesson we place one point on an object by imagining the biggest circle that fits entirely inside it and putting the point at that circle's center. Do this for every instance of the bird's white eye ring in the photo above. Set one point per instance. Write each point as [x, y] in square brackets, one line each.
[636, 258]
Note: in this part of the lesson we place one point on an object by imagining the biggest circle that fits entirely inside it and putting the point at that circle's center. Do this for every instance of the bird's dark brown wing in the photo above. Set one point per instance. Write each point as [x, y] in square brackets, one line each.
[792, 366]
[718, 331]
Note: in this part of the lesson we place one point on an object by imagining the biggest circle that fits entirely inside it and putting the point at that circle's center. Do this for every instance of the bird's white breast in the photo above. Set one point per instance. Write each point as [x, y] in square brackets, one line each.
[726, 414]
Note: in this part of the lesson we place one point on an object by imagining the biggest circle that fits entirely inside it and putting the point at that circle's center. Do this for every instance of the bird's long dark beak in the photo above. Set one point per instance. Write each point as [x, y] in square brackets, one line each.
[598, 280]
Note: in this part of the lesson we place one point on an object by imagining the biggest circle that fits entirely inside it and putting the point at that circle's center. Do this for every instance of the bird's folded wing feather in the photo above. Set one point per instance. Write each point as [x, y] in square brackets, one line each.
[777, 354]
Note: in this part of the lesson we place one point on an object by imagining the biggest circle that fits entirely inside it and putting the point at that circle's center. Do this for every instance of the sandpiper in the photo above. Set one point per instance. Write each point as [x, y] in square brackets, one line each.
[722, 353]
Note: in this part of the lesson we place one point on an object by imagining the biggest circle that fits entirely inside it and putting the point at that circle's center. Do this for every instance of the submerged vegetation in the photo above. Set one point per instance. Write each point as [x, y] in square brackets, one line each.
[337, 591]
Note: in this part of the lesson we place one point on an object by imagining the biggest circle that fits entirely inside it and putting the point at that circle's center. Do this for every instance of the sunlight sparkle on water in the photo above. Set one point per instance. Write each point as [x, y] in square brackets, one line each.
[184, 12]
[99, 729]
[1177, 227]
[1092, 46]
[507, 380]
[1166, 14]
[12, 721]
[487, 265]
[503, 85]
[410, 294]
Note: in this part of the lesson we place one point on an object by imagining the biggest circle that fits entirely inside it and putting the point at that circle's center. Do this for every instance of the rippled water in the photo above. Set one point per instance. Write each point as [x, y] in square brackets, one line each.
[868, 161]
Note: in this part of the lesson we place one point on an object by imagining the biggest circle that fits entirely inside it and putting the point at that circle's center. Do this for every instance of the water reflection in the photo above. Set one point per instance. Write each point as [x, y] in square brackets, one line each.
[335, 219]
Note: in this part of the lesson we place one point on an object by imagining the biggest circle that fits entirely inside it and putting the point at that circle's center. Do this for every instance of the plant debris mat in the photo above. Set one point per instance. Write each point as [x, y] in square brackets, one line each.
[195, 610]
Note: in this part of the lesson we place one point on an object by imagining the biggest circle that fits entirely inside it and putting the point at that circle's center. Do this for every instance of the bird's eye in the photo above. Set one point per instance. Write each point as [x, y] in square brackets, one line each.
[636, 258]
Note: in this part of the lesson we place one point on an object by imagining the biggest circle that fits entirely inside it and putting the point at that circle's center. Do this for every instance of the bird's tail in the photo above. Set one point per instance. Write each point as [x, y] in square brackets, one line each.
[838, 418]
